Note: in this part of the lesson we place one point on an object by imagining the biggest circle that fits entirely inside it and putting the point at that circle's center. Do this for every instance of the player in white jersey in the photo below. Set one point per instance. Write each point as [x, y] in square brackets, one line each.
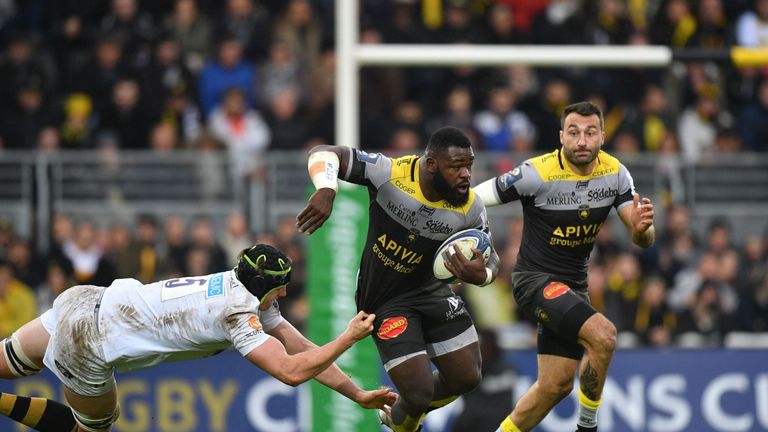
[90, 331]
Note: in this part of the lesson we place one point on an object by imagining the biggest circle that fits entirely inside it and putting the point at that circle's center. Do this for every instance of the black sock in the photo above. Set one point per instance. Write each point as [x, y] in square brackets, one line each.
[44, 415]
[583, 429]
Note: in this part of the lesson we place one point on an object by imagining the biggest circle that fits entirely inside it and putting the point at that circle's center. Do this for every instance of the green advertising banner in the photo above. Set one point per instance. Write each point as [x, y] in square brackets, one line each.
[332, 264]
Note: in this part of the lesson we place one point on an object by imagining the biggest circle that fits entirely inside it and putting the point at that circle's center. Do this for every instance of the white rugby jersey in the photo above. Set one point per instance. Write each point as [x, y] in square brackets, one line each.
[180, 319]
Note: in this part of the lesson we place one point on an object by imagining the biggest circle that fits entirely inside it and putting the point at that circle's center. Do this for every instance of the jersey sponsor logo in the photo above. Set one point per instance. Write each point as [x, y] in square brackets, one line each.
[400, 252]
[402, 212]
[582, 184]
[426, 211]
[392, 328]
[434, 226]
[584, 211]
[577, 230]
[405, 188]
[564, 198]
[506, 180]
[215, 286]
[254, 323]
[601, 194]
[555, 290]
[603, 172]
[370, 158]
[554, 177]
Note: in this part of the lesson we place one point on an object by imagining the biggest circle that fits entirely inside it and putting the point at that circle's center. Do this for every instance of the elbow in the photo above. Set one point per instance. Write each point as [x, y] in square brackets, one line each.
[292, 378]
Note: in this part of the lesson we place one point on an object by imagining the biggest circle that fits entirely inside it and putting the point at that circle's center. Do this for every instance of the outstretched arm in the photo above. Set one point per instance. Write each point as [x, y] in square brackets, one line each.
[332, 377]
[293, 370]
[638, 218]
[324, 164]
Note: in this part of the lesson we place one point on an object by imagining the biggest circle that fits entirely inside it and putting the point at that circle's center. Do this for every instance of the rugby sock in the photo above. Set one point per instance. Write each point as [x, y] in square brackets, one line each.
[508, 426]
[587, 412]
[44, 415]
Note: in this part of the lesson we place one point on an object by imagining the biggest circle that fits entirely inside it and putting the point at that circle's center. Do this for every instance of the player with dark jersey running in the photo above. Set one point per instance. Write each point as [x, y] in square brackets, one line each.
[566, 197]
[416, 202]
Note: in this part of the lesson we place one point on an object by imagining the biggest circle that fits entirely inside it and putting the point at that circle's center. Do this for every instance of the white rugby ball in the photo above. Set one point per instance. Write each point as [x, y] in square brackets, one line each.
[465, 240]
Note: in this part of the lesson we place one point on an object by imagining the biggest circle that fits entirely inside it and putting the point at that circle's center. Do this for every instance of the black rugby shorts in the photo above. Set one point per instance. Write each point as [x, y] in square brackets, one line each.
[559, 307]
[431, 325]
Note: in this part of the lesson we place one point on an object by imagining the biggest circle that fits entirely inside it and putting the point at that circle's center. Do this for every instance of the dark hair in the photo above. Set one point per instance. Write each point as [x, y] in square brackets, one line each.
[446, 137]
[585, 109]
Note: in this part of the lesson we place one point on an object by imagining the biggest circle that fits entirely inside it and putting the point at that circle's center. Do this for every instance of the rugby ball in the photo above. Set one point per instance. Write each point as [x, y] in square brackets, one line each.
[465, 240]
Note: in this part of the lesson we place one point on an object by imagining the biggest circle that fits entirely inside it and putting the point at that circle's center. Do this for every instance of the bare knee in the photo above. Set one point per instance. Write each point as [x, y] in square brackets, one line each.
[599, 335]
[467, 381]
[556, 390]
[417, 399]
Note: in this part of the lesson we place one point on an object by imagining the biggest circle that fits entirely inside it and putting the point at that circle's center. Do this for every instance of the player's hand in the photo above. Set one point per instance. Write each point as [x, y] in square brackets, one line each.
[382, 398]
[361, 325]
[317, 211]
[468, 270]
[642, 214]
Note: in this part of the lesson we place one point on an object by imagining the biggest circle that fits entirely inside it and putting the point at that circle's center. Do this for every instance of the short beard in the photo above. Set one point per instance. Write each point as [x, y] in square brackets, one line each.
[447, 192]
[571, 157]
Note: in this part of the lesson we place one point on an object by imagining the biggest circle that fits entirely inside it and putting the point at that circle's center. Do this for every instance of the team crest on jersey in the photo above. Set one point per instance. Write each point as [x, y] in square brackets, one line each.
[370, 158]
[392, 328]
[584, 211]
[506, 180]
[412, 235]
[426, 211]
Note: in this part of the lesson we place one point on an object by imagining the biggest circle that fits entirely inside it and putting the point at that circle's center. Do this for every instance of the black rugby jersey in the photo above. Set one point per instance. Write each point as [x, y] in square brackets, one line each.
[404, 229]
[563, 211]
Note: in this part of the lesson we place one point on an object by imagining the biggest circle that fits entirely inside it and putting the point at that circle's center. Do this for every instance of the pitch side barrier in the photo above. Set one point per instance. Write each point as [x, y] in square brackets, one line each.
[647, 390]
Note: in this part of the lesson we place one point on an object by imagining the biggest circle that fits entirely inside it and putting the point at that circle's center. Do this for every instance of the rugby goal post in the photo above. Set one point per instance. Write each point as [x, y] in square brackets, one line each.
[351, 56]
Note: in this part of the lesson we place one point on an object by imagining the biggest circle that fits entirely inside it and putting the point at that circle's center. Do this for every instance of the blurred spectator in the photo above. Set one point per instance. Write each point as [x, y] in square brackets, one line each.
[248, 22]
[48, 140]
[236, 236]
[609, 25]
[126, 116]
[673, 24]
[545, 114]
[24, 262]
[176, 246]
[17, 301]
[228, 71]
[524, 12]
[242, 130]
[163, 139]
[501, 126]
[56, 282]
[79, 123]
[651, 123]
[753, 121]
[752, 26]
[166, 76]
[458, 26]
[286, 121]
[560, 23]
[301, 31]
[202, 237]
[698, 125]
[727, 140]
[136, 28]
[281, 72]
[624, 282]
[712, 30]
[502, 28]
[191, 31]
[654, 321]
[405, 140]
[26, 117]
[90, 265]
[707, 314]
[457, 113]
[198, 262]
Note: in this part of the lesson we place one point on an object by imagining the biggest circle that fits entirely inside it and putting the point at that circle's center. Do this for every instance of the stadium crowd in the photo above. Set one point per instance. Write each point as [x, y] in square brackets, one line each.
[252, 76]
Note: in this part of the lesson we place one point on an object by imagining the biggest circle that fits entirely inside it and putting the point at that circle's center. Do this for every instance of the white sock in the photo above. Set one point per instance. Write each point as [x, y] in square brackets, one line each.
[587, 411]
